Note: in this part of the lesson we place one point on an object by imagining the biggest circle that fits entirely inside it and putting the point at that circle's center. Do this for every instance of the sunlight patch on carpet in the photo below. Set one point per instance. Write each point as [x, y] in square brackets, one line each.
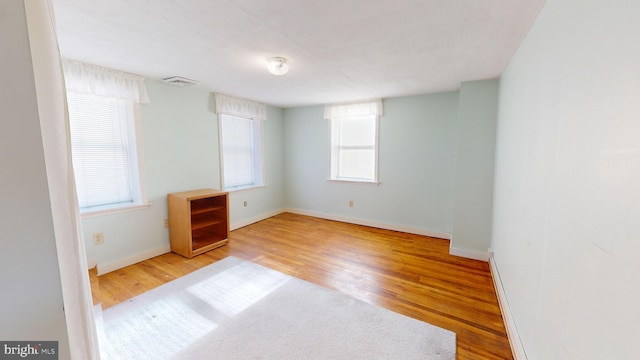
[230, 293]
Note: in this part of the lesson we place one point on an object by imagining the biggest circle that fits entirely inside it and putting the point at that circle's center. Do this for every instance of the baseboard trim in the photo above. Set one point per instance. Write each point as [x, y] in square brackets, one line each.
[110, 266]
[145, 255]
[130, 260]
[255, 219]
[469, 254]
[509, 322]
[375, 224]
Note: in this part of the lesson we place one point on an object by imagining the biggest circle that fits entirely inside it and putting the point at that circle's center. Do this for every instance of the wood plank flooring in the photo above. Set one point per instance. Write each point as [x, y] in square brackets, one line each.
[409, 274]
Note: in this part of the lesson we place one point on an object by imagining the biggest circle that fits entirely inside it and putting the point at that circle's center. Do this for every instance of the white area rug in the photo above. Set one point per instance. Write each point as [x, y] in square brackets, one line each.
[234, 309]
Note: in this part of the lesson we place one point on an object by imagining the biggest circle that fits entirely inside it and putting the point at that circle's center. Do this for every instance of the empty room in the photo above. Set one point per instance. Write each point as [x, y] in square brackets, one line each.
[243, 179]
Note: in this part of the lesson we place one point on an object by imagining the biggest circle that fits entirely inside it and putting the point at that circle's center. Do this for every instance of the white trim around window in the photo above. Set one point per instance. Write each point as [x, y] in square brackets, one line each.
[241, 152]
[353, 141]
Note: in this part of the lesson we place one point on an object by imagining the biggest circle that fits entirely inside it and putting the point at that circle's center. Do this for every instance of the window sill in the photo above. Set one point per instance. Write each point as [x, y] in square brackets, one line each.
[114, 210]
[364, 182]
[245, 188]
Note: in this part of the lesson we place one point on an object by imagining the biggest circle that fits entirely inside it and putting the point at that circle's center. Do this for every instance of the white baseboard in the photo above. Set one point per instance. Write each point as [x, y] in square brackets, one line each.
[130, 260]
[110, 266]
[255, 219]
[406, 229]
[509, 322]
[469, 254]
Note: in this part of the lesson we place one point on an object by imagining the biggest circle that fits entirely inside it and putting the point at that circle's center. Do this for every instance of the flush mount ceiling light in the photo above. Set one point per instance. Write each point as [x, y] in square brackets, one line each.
[278, 66]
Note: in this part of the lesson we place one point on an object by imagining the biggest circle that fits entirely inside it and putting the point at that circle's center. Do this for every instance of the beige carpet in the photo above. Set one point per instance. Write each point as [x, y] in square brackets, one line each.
[234, 309]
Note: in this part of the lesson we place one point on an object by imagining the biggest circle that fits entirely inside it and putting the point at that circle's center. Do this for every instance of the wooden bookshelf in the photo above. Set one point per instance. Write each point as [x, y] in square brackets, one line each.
[198, 221]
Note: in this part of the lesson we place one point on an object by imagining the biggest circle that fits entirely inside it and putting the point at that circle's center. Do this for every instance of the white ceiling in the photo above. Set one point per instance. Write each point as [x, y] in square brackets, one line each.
[338, 50]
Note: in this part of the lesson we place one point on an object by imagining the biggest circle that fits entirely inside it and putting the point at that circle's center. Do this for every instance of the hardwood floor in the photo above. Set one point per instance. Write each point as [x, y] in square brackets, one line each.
[409, 274]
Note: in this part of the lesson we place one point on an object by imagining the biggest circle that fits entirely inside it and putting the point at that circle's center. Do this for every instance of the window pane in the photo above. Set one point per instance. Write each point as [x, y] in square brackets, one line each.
[358, 163]
[238, 169]
[353, 148]
[240, 152]
[101, 151]
[357, 131]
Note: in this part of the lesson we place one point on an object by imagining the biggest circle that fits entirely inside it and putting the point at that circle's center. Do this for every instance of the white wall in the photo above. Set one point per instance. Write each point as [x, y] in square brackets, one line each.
[567, 197]
[416, 166]
[475, 149]
[31, 305]
[181, 152]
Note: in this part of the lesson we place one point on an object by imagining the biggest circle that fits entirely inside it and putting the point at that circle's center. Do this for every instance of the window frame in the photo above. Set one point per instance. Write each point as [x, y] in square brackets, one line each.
[258, 149]
[136, 162]
[334, 155]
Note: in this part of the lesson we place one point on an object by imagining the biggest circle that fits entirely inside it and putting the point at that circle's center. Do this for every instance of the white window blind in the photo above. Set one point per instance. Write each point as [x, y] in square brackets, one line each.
[241, 152]
[354, 141]
[103, 150]
[240, 141]
[104, 119]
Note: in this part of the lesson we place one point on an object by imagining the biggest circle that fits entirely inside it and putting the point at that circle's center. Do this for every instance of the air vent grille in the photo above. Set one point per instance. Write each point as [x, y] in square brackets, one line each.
[179, 81]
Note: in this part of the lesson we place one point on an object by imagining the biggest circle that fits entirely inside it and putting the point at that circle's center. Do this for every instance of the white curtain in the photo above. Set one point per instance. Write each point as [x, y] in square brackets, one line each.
[96, 80]
[372, 107]
[230, 105]
[50, 91]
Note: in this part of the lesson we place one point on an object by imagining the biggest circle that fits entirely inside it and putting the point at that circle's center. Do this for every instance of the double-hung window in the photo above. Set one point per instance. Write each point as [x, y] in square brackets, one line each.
[104, 127]
[354, 141]
[241, 152]
[240, 142]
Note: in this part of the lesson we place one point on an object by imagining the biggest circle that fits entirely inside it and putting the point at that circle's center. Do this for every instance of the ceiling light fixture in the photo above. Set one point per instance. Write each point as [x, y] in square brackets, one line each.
[278, 66]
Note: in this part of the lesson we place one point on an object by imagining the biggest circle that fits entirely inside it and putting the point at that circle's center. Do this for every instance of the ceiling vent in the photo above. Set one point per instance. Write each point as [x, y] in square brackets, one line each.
[179, 81]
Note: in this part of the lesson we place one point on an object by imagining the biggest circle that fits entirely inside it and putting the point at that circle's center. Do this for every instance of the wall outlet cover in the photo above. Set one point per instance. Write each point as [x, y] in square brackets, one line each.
[98, 238]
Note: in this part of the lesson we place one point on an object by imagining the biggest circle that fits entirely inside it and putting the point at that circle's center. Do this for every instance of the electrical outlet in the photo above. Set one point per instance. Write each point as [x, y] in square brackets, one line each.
[246, 203]
[98, 238]
[166, 223]
[350, 203]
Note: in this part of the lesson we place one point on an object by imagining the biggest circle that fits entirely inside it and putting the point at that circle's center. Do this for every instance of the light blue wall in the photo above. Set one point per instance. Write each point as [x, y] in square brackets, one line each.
[416, 165]
[181, 152]
[476, 138]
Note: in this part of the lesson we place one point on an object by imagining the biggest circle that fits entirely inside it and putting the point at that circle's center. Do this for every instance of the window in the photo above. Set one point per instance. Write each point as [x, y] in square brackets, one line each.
[353, 148]
[104, 151]
[241, 152]
[104, 125]
[354, 141]
[240, 141]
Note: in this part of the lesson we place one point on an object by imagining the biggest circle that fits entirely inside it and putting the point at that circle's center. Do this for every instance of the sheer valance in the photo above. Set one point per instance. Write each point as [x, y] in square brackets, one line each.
[96, 80]
[373, 107]
[234, 106]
